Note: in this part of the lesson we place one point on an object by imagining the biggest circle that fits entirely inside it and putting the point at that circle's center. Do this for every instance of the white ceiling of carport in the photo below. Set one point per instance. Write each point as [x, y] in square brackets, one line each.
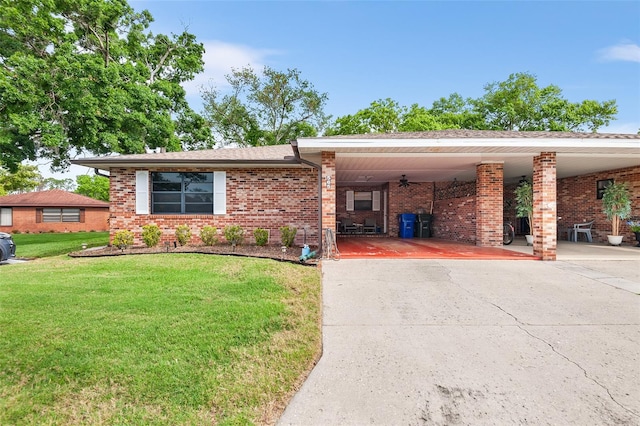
[380, 168]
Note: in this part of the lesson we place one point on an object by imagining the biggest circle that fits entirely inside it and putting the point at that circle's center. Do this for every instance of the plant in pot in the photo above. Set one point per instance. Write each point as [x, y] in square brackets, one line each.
[634, 226]
[524, 205]
[616, 205]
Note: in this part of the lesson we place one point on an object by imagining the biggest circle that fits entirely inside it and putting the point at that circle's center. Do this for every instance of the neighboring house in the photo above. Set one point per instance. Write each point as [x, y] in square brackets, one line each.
[55, 210]
[465, 177]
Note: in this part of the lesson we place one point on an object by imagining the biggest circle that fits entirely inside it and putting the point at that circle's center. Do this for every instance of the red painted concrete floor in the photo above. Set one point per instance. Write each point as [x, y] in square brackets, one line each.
[421, 248]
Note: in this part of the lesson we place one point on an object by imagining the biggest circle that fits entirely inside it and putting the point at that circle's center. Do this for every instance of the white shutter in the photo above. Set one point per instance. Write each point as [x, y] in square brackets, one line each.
[142, 192]
[219, 192]
[349, 201]
[375, 204]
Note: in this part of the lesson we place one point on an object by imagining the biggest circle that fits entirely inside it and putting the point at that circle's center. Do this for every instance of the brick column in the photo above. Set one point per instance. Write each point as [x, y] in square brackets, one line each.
[544, 206]
[489, 192]
[328, 191]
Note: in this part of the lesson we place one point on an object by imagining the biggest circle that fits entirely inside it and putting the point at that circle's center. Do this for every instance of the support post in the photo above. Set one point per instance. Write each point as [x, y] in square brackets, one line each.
[545, 225]
[328, 191]
[489, 193]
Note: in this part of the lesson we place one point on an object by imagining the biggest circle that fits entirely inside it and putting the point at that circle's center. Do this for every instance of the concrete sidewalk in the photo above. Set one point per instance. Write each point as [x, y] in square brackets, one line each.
[567, 250]
[444, 342]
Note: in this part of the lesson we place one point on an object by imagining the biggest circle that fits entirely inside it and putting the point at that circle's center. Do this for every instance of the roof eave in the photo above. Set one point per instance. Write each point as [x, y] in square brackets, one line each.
[107, 163]
[553, 144]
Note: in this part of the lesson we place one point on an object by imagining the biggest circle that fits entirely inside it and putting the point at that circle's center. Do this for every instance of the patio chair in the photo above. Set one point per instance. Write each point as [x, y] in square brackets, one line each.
[348, 226]
[370, 226]
[580, 228]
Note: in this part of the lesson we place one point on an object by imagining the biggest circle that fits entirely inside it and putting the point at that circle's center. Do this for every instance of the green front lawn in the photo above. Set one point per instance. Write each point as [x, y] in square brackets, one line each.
[52, 244]
[158, 339]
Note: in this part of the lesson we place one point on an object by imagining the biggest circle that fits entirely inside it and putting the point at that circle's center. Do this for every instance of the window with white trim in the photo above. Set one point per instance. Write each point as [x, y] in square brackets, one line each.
[182, 193]
[6, 216]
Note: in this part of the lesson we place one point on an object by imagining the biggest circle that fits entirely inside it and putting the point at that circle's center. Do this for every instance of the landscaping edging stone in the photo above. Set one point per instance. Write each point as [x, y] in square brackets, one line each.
[262, 252]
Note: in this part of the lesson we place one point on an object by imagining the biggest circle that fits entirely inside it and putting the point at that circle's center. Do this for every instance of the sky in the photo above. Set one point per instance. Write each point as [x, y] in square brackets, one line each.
[418, 51]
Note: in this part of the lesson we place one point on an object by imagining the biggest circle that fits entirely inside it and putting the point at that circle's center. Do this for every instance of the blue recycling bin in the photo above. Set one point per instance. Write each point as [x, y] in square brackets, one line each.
[405, 225]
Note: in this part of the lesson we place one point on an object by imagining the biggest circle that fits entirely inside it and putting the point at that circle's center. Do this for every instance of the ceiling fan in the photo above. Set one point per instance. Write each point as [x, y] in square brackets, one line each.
[404, 182]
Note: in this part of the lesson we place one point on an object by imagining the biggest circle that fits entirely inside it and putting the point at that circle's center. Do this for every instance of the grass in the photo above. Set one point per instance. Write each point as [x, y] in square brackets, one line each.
[155, 339]
[32, 246]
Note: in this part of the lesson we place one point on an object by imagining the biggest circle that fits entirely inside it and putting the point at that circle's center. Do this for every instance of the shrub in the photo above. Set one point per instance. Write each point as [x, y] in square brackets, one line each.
[261, 236]
[287, 235]
[234, 234]
[151, 235]
[183, 234]
[209, 235]
[15, 231]
[123, 239]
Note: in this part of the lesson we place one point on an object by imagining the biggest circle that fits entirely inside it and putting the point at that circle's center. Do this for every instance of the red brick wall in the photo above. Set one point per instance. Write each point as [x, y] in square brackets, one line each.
[24, 220]
[408, 200]
[454, 215]
[577, 202]
[489, 204]
[256, 198]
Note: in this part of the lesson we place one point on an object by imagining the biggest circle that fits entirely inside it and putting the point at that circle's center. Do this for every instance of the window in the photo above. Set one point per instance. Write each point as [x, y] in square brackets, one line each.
[181, 193]
[6, 216]
[60, 215]
[362, 200]
[601, 186]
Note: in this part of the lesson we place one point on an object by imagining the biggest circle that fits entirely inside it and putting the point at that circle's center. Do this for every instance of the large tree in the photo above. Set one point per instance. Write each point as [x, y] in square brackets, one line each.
[515, 104]
[387, 116]
[518, 103]
[24, 178]
[87, 76]
[269, 109]
[65, 184]
[457, 113]
[93, 186]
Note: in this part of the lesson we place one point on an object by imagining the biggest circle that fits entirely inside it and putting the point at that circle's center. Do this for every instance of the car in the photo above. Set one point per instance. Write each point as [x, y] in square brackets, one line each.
[7, 247]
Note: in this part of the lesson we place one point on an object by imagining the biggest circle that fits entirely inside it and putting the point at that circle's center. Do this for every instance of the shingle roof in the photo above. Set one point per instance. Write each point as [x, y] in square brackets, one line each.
[486, 134]
[284, 156]
[52, 198]
[268, 153]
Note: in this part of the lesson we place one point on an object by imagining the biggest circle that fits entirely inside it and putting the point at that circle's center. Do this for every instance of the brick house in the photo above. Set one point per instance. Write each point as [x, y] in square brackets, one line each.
[55, 210]
[466, 178]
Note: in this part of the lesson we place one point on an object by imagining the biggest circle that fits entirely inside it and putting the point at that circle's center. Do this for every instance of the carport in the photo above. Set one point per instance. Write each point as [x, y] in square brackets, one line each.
[436, 248]
[455, 167]
[423, 248]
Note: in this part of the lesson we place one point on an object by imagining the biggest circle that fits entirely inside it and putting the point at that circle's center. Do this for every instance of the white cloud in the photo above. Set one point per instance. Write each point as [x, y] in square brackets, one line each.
[219, 58]
[620, 52]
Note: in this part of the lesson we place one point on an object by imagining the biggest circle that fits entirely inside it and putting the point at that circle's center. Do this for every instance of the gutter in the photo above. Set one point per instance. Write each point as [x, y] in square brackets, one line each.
[174, 162]
[300, 160]
[99, 173]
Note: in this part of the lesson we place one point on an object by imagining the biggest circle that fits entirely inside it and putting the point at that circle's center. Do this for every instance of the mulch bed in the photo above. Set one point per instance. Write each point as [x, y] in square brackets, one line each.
[292, 254]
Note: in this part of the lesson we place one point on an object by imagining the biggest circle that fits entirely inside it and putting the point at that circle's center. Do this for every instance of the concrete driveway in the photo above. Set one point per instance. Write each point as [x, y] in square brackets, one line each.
[447, 342]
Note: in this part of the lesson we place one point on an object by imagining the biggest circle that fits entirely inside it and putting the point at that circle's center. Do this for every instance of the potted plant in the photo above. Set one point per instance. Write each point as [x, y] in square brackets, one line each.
[524, 205]
[616, 204]
[634, 226]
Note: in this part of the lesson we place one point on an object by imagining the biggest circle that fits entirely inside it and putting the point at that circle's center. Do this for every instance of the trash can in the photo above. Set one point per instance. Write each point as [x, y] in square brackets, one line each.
[405, 225]
[423, 225]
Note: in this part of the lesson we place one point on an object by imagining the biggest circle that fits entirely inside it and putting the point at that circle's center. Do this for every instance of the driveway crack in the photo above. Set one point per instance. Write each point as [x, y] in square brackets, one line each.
[521, 326]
